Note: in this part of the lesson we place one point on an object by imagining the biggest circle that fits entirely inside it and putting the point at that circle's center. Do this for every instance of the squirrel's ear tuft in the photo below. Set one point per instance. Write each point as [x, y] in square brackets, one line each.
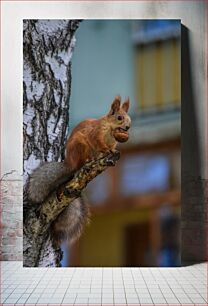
[125, 105]
[115, 106]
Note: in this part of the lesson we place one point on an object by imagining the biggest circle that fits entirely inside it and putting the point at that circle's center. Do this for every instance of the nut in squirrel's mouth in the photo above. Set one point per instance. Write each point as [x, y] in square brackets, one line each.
[121, 130]
[121, 134]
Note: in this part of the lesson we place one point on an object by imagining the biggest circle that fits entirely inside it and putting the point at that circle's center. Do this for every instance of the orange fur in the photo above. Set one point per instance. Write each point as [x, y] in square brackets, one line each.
[94, 136]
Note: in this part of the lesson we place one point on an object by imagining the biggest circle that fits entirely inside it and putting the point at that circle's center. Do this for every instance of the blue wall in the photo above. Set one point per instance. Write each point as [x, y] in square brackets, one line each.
[102, 67]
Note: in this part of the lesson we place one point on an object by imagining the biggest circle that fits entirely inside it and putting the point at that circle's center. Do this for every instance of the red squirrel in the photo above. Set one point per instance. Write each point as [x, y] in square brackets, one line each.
[87, 141]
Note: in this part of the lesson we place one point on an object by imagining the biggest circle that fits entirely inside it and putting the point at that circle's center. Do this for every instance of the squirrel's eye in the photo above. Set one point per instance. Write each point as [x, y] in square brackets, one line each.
[120, 117]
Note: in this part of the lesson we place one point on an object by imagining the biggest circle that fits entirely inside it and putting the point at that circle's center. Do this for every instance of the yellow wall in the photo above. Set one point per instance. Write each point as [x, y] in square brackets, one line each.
[102, 242]
[158, 74]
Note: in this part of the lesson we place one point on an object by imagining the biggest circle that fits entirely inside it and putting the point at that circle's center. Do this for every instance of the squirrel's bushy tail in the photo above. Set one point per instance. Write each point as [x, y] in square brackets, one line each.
[46, 178]
[70, 223]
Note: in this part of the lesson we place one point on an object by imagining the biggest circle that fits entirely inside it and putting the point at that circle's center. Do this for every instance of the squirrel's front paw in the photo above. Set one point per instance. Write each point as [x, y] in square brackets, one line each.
[116, 153]
[112, 158]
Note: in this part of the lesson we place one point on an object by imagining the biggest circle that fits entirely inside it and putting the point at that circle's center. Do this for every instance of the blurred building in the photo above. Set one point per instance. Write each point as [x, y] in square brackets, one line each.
[135, 205]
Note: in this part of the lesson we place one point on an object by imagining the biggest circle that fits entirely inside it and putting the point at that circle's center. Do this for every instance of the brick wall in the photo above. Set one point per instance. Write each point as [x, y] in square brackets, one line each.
[11, 220]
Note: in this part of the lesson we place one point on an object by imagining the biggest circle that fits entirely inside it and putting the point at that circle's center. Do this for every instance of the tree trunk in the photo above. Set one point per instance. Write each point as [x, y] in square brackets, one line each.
[47, 51]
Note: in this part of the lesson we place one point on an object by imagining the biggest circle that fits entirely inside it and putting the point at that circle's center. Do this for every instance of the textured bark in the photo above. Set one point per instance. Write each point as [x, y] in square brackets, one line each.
[38, 249]
[47, 51]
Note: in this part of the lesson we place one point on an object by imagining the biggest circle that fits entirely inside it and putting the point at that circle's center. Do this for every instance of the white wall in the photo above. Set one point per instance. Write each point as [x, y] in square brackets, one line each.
[192, 15]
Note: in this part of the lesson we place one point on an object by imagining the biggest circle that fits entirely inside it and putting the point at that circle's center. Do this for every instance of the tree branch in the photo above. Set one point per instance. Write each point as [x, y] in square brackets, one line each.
[38, 220]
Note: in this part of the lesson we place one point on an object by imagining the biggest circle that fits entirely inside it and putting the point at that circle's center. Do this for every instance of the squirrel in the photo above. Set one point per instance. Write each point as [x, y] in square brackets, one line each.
[87, 141]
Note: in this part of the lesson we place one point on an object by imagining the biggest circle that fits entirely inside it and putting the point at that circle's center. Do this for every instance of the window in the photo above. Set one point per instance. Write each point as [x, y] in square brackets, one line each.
[157, 62]
[143, 174]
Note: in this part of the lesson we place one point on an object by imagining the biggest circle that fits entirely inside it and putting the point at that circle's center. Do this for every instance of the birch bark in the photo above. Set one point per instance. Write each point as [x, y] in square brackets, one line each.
[47, 51]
